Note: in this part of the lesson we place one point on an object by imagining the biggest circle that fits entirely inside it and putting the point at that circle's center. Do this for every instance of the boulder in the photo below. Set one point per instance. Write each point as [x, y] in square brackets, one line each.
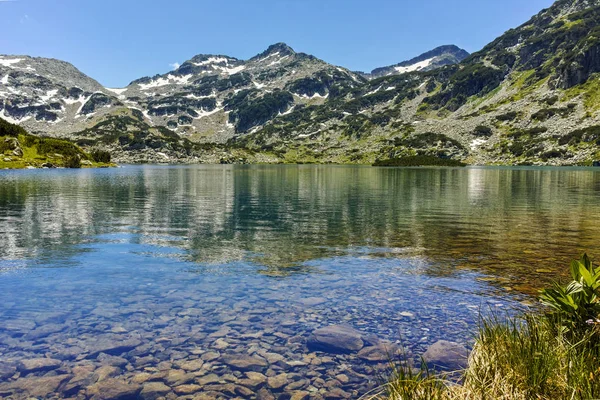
[446, 355]
[336, 339]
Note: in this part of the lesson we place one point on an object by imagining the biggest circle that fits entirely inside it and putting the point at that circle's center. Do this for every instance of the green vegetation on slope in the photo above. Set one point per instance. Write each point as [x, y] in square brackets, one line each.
[19, 149]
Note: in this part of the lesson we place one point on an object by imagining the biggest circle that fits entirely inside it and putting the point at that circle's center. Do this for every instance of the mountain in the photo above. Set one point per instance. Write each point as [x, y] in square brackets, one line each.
[208, 99]
[532, 96]
[436, 58]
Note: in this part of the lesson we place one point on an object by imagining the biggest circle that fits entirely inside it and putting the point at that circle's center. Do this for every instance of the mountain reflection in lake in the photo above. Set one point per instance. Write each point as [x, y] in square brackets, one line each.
[207, 279]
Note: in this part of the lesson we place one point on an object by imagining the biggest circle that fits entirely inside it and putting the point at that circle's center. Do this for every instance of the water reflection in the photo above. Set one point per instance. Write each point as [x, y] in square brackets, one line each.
[507, 222]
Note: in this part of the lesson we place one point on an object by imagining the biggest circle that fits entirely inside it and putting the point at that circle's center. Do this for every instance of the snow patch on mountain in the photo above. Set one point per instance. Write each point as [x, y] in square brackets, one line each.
[278, 61]
[50, 94]
[168, 80]
[196, 97]
[212, 60]
[9, 62]
[73, 101]
[415, 67]
[203, 114]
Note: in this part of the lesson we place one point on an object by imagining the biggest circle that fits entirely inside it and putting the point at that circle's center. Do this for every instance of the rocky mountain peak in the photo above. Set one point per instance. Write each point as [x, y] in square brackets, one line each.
[281, 49]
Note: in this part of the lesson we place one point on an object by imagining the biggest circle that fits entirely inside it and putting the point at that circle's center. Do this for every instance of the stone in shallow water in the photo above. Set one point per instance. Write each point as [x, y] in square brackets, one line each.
[278, 381]
[141, 377]
[254, 380]
[112, 346]
[313, 301]
[446, 355]
[337, 393]
[210, 356]
[336, 339]
[192, 365]
[44, 331]
[301, 395]
[177, 377]
[220, 344]
[105, 372]
[381, 353]
[35, 386]
[113, 389]
[243, 362]
[154, 390]
[6, 371]
[83, 376]
[115, 361]
[38, 364]
[208, 379]
[183, 390]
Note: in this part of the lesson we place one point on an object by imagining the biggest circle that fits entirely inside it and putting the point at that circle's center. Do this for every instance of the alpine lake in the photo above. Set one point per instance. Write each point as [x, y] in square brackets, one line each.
[268, 282]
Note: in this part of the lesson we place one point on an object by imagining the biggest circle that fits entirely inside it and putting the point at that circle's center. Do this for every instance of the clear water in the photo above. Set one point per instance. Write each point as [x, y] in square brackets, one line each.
[163, 266]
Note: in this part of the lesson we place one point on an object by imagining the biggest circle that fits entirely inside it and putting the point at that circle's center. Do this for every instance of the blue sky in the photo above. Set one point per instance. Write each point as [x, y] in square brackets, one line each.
[117, 41]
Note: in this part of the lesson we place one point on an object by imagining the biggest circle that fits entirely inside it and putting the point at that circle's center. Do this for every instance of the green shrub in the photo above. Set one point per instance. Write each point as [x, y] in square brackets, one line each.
[100, 156]
[29, 140]
[51, 146]
[546, 113]
[509, 116]
[576, 306]
[590, 134]
[8, 129]
[4, 146]
[482, 130]
[72, 162]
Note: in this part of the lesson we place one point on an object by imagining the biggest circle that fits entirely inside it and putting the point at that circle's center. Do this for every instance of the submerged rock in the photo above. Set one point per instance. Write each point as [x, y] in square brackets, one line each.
[38, 364]
[244, 363]
[446, 355]
[112, 346]
[6, 371]
[382, 352]
[35, 386]
[154, 390]
[336, 339]
[113, 389]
